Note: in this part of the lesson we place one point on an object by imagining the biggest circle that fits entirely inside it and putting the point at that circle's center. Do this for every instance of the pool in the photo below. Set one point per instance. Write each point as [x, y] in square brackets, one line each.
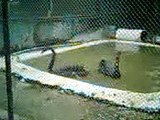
[139, 65]
[128, 91]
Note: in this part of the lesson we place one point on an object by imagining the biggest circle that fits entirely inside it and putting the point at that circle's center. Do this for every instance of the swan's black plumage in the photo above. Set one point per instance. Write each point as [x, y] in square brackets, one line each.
[110, 69]
[67, 71]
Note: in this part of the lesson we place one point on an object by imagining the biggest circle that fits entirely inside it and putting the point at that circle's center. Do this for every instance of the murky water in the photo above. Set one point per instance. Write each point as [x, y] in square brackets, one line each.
[139, 66]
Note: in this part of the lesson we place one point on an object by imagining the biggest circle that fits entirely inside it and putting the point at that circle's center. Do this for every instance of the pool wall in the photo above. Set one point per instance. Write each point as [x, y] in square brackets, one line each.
[149, 102]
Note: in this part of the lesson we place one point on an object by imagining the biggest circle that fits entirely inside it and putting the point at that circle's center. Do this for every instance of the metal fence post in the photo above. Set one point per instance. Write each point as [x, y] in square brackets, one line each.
[7, 59]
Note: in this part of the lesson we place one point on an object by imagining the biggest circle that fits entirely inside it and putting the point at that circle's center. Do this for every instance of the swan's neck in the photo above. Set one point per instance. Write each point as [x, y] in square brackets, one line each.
[117, 60]
[51, 63]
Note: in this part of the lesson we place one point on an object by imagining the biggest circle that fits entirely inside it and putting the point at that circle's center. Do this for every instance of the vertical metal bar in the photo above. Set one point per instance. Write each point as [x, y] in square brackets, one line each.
[7, 59]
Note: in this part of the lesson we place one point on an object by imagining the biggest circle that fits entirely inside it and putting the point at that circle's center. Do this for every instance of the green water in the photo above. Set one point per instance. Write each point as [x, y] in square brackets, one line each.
[140, 69]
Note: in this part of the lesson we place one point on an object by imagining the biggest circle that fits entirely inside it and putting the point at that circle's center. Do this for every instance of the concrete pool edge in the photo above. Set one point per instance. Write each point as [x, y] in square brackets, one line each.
[146, 101]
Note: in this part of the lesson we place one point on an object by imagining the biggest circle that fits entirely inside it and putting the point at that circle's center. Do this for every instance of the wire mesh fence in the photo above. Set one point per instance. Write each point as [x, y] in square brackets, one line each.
[44, 23]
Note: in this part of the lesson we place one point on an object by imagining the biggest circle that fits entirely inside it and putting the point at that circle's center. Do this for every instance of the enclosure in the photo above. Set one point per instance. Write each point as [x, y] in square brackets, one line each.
[82, 59]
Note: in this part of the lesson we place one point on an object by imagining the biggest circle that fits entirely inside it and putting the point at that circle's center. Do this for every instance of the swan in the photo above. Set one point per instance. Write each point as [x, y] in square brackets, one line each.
[67, 71]
[110, 69]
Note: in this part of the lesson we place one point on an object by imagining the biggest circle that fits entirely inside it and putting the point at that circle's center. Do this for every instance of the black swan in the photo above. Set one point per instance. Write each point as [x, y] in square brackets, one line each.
[110, 69]
[67, 71]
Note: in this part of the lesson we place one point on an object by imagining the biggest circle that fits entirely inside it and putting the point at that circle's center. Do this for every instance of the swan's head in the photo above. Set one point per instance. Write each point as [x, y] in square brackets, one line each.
[44, 50]
[48, 48]
[102, 62]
